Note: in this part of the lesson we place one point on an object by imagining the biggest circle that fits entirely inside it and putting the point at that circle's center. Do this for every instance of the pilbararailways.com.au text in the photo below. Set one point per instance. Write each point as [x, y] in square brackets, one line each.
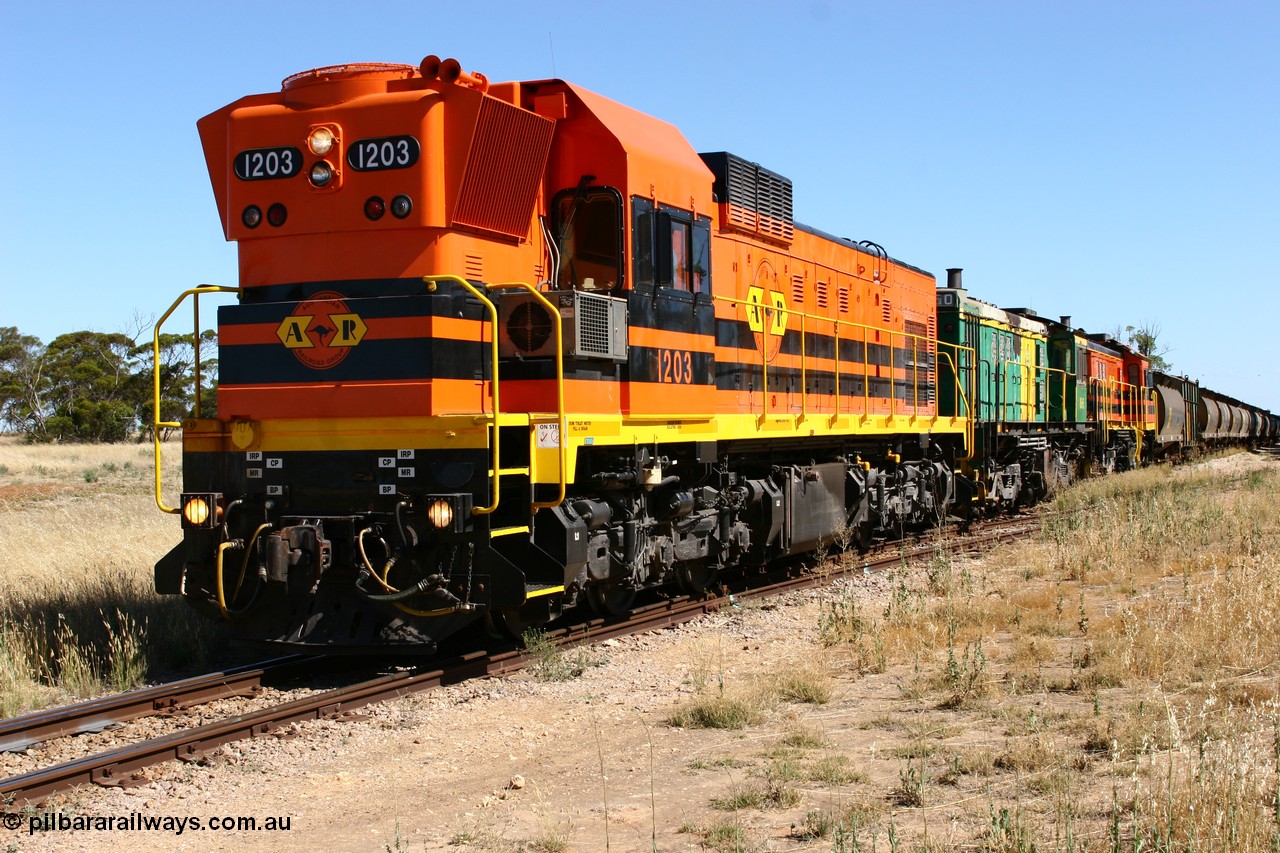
[137, 822]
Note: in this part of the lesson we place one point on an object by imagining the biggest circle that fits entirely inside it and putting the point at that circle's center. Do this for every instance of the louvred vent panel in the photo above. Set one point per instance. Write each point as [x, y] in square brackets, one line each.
[504, 168]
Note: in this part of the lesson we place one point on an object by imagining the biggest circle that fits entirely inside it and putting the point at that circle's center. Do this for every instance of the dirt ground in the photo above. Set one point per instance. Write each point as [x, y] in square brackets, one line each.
[593, 762]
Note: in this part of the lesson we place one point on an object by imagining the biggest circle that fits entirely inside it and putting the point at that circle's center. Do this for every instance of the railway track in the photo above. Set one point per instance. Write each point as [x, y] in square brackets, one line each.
[19, 733]
[124, 766]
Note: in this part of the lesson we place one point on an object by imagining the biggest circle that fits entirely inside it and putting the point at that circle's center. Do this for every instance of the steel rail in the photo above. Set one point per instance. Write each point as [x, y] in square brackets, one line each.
[19, 733]
[121, 767]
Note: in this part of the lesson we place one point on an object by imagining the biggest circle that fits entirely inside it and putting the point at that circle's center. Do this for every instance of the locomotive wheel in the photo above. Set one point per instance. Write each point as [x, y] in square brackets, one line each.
[514, 622]
[506, 624]
[696, 578]
[860, 536]
[612, 599]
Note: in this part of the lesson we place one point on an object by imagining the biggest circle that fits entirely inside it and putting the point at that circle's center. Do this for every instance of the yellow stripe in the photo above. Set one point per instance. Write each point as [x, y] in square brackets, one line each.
[448, 432]
[462, 432]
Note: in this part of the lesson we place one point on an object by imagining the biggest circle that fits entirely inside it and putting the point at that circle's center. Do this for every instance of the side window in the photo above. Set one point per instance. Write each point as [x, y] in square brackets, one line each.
[642, 240]
[700, 257]
[588, 227]
[670, 248]
[679, 254]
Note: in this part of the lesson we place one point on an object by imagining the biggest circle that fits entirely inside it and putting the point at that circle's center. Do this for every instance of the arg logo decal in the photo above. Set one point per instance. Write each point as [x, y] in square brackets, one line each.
[322, 330]
[766, 311]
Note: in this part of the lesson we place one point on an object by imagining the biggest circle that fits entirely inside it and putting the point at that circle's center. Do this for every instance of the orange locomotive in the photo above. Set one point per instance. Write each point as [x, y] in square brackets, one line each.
[500, 348]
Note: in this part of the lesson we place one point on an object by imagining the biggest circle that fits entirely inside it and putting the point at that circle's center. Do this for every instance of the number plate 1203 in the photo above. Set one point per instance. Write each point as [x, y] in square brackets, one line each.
[265, 164]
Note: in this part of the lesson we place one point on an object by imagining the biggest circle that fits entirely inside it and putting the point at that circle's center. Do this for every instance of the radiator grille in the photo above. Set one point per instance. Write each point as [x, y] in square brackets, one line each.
[504, 168]
[913, 327]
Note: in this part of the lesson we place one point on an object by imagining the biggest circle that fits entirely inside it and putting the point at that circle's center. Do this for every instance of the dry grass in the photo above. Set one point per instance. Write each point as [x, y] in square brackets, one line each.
[1128, 655]
[80, 532]
[722, 704]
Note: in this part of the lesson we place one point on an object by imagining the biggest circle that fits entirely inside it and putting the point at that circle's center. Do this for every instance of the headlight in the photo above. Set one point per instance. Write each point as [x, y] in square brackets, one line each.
[196, 512]
[321, 174]
[320, 141]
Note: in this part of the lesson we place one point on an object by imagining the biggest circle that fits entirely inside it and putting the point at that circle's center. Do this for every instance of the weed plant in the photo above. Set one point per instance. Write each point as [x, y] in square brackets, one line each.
[550, 662]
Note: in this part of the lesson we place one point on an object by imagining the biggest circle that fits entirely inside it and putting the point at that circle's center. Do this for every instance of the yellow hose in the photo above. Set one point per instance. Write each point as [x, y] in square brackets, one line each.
[222, 599]
[222, 550]
[383, 581]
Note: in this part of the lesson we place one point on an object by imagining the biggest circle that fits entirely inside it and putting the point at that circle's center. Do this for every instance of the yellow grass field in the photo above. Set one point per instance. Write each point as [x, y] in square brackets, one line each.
[79, 534]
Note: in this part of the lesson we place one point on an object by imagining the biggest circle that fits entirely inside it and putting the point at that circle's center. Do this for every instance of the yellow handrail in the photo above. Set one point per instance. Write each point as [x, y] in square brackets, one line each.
[493, 378]
[562, 425]
[1031, 370]
[1049, 371]
[767, 312]
[955, 371]
[156, 423]
[494, 383]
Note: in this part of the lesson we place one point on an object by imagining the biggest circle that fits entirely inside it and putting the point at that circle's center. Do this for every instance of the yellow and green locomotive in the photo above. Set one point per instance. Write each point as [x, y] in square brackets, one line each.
[1049, 402]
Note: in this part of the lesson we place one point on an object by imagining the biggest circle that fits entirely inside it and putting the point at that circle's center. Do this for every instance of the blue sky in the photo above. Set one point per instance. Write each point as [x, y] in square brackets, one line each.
[1115, 161]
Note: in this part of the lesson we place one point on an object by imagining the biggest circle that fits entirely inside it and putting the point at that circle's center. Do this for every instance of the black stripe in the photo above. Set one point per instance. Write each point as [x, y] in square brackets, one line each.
[397, 359]
[670, 366]
[732, 376]
[349, 288]
[334, 481]
[416, 358]
[545, 369]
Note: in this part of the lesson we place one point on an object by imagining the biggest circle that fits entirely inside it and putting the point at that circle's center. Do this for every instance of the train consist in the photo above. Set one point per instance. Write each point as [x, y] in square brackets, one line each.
[500, 349]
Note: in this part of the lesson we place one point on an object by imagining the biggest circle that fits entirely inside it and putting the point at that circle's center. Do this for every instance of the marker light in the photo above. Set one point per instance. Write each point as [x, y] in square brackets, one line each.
[277, 214]
[252, 216]
[374, 207]
[440, 513]
[321, 174]
[320, 141]
[401, 206]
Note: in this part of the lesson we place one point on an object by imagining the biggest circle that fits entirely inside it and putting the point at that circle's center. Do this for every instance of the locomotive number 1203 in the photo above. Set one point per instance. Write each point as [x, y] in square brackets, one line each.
[388, 152]
[264, 164]
[675, 366]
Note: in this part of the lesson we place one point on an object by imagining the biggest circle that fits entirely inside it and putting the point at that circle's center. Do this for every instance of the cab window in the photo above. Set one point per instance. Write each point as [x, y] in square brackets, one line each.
[588, 228]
